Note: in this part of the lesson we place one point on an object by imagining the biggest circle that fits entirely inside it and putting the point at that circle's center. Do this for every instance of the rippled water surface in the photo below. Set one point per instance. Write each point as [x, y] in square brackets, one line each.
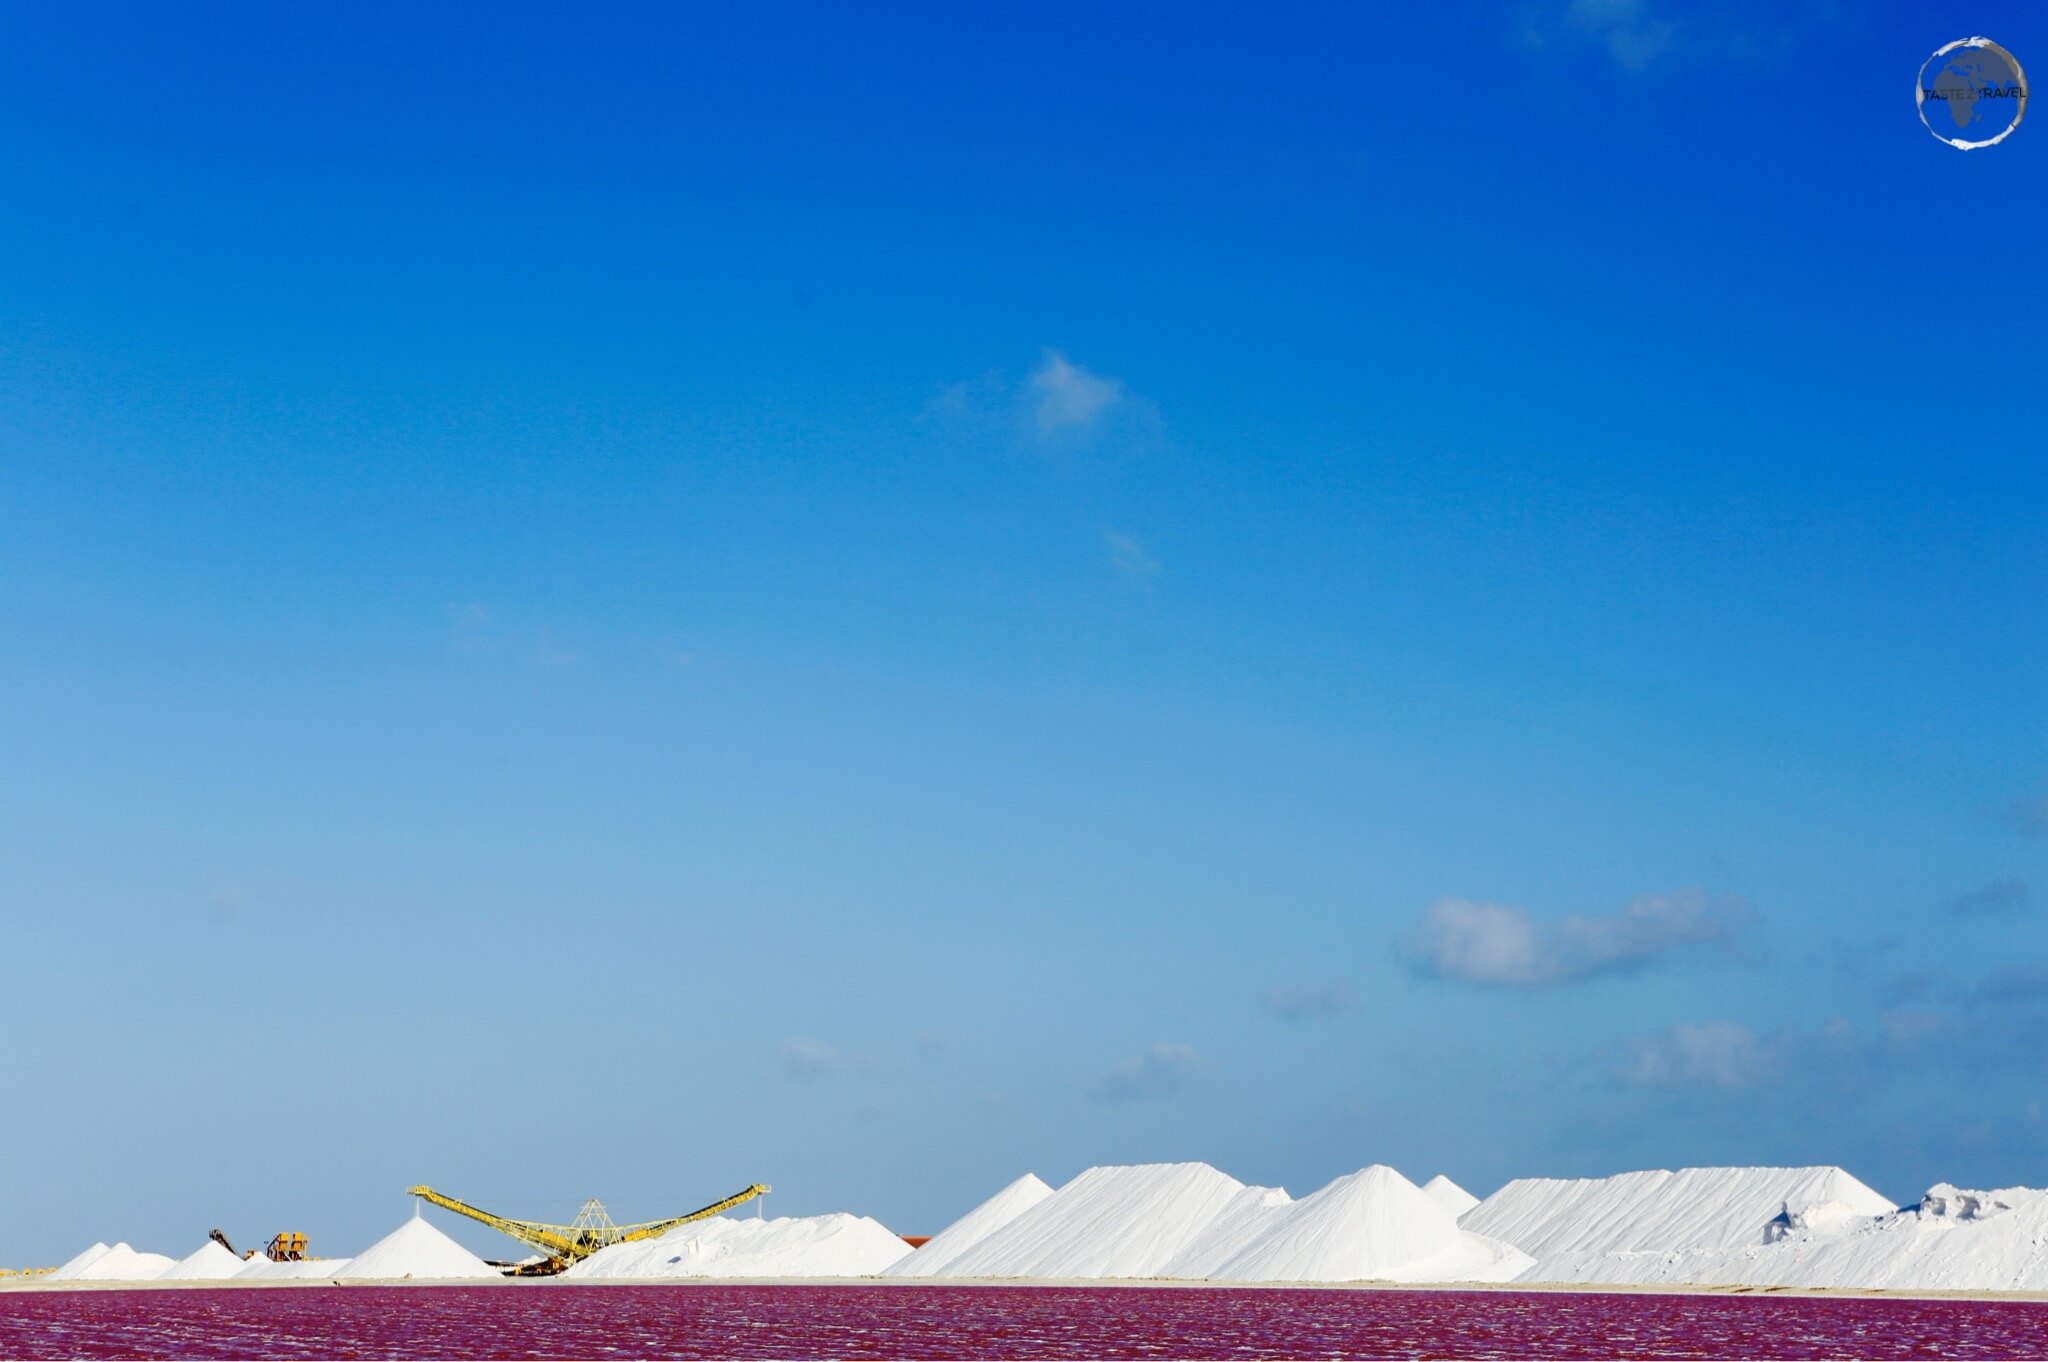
[559, 1320]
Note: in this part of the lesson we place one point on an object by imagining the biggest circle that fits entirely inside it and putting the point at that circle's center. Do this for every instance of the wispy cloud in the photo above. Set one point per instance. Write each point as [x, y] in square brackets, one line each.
[2029, 816]
[1501, 946]
[1059, 404]
[1926, 1021]
[1303, 1002]
[1999, 898]
[470, 624]
[806, 1059]
[1153, 1076]
[1717, 1054]
[2015, 984]
[1128, 555]
[1631, 33]
[1641, 36]
[226, 903]
[475, 630]
[965, 398]
[1066, 397]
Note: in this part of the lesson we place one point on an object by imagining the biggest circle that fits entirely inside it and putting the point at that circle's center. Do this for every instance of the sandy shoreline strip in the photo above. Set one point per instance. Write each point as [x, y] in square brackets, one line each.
[1116, 1284]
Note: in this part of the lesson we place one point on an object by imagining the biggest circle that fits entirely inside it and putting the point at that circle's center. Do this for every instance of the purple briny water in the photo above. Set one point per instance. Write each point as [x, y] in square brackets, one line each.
[560, 1320]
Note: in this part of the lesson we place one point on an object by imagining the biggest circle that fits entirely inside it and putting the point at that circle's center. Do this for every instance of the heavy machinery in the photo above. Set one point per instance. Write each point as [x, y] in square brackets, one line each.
[287, 1246]
[561, 1245]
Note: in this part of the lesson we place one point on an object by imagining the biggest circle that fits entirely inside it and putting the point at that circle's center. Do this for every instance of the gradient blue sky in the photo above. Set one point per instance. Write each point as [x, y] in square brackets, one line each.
[626, 601]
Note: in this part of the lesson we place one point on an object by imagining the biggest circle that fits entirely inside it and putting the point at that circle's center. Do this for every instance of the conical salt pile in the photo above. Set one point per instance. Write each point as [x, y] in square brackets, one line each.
[1449, 1195]
[261, 1269]
[1249, 1214]
[1660, 1211]
[207, 1263]
[69, 1269]
[1361, 1226]
[939, 1251]
[1952, 1240]
[418, 1251]
[1110, 1221]
[836, 1245]
[124, 1264]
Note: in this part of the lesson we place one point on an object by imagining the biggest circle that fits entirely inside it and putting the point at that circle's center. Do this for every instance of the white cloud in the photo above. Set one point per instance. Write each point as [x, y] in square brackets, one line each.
[1716, 1054]
[1130, 556]
[1057, 406]
[1298, 1002]
[474, 630]
[1929, 1022]
[954, 401]
[2030, 816]
[1158, 1073]
[1632, 36]
[472, 627]
[1498, 945]
[806, 1059]
[1483, 943]
[1999, 898]
[1068, 397]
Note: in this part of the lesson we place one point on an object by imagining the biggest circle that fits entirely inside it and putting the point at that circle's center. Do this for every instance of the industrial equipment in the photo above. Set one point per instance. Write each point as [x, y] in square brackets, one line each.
[561, 1245]
[285, 1247]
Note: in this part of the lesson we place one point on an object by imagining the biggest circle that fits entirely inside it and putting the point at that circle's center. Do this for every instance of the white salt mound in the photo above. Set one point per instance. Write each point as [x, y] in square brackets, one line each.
[938, 1252]
[261, 1269]
[1953, 1240]
[416, 1250]
[1190, 1221]
[1449, 1195]
[1474, 1258]
[836, 1245]
[1658, 1210]
[1372, 1224]
[123, 1264]
[69, 1269]
[1109, 1222]
[207, 1263]
[1243, 1219]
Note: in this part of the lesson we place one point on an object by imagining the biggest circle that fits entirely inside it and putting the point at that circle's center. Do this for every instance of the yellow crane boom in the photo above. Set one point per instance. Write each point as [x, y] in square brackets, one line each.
[647, 1229]
[561, 1245]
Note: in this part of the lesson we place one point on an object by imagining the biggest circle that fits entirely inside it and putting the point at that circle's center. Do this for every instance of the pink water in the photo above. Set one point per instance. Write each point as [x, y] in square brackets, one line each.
[560, 1320]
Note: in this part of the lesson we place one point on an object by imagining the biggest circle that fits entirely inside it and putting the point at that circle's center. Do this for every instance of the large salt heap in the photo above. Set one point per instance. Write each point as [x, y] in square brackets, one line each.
[1562, 1222]
[1370, 1225]
[207, 1263]
[1953, 1240]
[1128, 1221]
[69, 1269]
[1449, 1195]
[1243, 1219]
[837, 1245]
[118, 1264]
[418, 1251]
[1189, 1221]
[937, 1253]
[260, 1269]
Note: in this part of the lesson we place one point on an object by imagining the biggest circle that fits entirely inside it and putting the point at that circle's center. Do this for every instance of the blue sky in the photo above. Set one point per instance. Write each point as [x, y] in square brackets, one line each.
[630, 602]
